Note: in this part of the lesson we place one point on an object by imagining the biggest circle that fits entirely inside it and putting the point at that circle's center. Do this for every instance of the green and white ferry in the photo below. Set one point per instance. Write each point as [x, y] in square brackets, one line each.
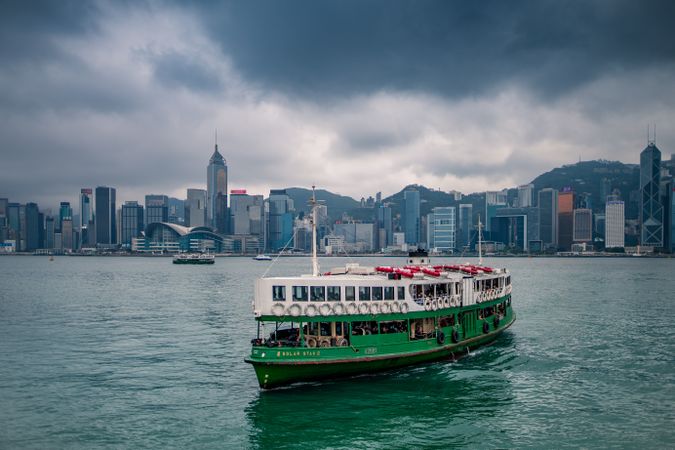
[355, 319]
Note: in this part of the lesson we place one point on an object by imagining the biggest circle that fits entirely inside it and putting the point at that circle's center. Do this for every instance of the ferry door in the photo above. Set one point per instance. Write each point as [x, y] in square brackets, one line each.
[469, 323]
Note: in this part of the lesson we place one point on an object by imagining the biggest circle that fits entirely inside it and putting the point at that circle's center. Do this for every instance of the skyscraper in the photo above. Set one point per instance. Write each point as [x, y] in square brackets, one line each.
[548, 217]
[132, 222]
[32, 227]
[105, 210]
[651, 208]
[86, 216]
[246, 213]
[411, 216]
[565, 218]
[156, 208]
[50, 230]
[384, 226]
[441, 229]
[525, 195]
[195, 208]
[280, 218]
[465, 225]
[216, 187]
[65, 213]
[583, 225]
[614, 224]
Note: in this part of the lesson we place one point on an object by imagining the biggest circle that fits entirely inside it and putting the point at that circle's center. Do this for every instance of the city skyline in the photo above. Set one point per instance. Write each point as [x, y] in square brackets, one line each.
[452, 96]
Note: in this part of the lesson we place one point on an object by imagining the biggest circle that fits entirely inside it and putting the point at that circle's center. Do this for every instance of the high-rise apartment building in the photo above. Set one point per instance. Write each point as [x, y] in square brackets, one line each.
[216, 187]
[565, 219]
[411, 216]
[105, 215]
[548, 217]
[651, 208]
[156, 208]
[583, 225]
[195, 208]
[614, 224]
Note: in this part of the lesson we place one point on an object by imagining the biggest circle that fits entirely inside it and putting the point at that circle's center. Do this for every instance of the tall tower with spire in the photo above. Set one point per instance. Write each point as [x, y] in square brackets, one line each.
[216, 191]
[651, 209]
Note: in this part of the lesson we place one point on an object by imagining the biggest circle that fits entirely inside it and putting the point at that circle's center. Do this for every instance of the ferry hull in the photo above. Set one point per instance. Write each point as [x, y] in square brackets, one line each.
[273, 374]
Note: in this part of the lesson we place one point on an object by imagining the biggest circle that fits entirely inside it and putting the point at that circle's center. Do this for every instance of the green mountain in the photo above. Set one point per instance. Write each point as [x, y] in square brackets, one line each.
[336, 203]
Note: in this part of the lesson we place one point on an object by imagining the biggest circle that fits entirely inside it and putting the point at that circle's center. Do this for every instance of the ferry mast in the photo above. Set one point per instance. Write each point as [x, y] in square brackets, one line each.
[315, 260]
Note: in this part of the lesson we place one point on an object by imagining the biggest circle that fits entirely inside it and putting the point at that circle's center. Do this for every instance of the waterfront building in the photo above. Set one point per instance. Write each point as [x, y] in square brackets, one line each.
[517, 228]
[384, 226]
[247, 213]
[170, 237]
[599, 221]
[651, 208]
[582, 225]
[67, 234]
[441, 229]
[671, 201]
[50, 229]
[526, 195]
[32, 227]
[465, 225]
[156, 208]
[565, 219]
[548, 217]
[176, 211]
[86, 216]
[132, 222]
[58, 242]
[494, 200]
[195, 208]
[614, 224]
[280, 220]
[22, 229]
[105, 218]
[358, 237]
[411, 216]
[216, 187]
[65, 212]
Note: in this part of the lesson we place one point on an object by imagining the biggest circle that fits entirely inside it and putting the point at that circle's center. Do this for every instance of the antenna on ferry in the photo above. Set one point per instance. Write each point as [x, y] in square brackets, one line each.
[480, 249]
[315, 260]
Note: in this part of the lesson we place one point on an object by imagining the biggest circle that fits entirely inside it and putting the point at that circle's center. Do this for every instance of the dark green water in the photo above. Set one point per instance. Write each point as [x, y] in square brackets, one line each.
[137, 352]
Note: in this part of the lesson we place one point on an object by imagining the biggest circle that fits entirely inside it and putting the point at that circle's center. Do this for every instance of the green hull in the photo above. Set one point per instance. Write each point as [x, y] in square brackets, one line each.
[280, 366]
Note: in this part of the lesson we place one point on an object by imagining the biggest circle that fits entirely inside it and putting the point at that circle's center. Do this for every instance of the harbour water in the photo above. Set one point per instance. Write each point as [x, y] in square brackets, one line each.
[138, 352]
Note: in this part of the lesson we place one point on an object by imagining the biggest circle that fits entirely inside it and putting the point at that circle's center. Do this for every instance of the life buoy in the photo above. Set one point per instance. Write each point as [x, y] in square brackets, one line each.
[385, 308]
[342, 342]
[405, 308]
[325, 309]
[324, 343]
[338, 309]
[295, 310]
[486, 327]
[446, 302]
[434, 305]
[427, 305]
[278, 309]
[374, 308]
[395, 307]
[352, 308]
[440, 338]
[311, 342]
[363, 308]
[455, 336]
[310, 311]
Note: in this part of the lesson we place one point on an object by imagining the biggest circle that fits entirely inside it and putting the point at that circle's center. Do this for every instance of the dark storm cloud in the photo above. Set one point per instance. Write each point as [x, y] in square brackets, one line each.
[322, 48]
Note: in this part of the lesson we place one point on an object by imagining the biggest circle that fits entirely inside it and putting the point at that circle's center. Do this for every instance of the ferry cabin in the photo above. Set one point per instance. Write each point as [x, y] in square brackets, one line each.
[379, 309]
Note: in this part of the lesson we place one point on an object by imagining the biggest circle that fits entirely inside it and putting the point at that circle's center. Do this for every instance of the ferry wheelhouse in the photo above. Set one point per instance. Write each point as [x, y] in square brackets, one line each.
[357, 319]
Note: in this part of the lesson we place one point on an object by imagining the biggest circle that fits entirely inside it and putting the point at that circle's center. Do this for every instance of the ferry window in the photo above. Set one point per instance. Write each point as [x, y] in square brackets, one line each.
[299, 293]
[394, 326]
[364, 293]
[279, 293]
[364, 328]
[401, 293]
[318, 293]
[377, 293]
[389, 293]
[334, 293]
[325, 328]
[350, 293]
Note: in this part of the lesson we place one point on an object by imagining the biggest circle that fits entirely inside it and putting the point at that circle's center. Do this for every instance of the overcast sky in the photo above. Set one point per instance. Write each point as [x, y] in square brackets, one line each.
[354, 96]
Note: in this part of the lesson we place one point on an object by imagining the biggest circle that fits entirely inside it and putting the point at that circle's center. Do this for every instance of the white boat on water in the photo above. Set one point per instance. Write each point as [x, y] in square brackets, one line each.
[262, 257]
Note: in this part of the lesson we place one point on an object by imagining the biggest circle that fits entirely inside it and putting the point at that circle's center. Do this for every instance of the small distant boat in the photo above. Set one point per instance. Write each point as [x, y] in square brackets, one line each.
[194, 258]
[263, 258]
